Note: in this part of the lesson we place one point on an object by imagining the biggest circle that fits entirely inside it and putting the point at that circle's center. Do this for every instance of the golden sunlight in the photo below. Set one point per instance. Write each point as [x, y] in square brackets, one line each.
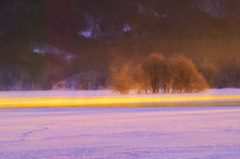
[41, 102]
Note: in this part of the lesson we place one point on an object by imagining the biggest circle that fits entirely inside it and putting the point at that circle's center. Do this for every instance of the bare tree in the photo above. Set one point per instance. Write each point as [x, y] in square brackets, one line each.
[209, 71]
[177, 75]
[122, 79]
[229, 74]
[156, 69]
[185, 76]
[141, 79]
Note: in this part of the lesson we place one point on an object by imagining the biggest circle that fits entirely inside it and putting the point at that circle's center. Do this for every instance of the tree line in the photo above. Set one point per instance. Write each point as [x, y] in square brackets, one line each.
[155, 74]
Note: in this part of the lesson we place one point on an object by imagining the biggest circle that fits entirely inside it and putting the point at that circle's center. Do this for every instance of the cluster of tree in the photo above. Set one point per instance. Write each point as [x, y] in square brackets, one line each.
[21, 72]
[90, 80]
[176, 74]
[13, 77]
[225, 74]
[228, 75]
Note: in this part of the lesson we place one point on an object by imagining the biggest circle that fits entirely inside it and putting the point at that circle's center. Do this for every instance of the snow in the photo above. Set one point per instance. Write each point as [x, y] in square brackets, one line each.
[37, 51]
[216, 9]
[127, 28]
[86, 33]
[143, 10]
[154, 13]
[49, 49]
[111, 93]
[182, 132]
[93, 31]
[92, 27]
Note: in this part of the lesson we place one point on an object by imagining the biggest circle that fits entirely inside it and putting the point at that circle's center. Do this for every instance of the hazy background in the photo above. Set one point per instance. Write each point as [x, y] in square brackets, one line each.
[45, 41]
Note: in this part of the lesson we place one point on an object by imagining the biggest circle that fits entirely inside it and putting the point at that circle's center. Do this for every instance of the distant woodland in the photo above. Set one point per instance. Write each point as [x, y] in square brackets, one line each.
[102, 44]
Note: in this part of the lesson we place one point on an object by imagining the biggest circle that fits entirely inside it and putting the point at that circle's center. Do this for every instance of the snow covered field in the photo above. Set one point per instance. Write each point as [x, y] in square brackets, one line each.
[111, 93]
[180, 132]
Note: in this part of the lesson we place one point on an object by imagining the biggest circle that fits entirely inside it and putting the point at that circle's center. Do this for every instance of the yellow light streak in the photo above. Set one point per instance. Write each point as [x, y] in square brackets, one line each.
[44, 102]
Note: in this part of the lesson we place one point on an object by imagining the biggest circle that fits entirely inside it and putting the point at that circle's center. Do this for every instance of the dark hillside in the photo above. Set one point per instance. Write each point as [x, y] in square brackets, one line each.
[63, 38]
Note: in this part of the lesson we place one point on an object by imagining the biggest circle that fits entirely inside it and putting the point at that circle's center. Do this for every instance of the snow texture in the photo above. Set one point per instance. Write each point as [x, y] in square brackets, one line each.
[49, 49]
[92, 28]
[111, 93]
[215, 8]
[126, 28]
[144, 10]
[86, 33]
[187, 132]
